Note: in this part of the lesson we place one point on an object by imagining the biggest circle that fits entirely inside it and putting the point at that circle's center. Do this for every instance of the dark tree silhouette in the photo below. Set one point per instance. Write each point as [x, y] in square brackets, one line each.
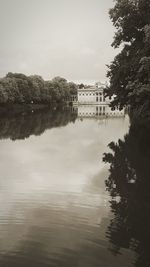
[129, 187]
[129, 73]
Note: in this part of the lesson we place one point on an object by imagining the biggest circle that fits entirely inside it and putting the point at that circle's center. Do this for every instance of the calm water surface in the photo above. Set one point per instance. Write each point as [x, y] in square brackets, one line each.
[54, 207]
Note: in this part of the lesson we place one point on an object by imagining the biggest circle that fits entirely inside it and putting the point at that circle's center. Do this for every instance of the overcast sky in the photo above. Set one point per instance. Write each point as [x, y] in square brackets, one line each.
[68, 38]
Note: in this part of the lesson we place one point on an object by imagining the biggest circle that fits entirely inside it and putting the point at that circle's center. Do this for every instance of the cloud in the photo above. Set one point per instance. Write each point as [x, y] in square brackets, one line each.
[56, 38]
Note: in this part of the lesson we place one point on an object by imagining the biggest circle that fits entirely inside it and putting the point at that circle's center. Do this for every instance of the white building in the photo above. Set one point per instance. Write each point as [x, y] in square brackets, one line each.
[93, 95]
[92, 102]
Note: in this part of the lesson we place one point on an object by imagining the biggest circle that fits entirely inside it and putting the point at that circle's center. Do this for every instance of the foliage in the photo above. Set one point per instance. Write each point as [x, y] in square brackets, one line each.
[19, 88]
[129, 73]
[81, 86]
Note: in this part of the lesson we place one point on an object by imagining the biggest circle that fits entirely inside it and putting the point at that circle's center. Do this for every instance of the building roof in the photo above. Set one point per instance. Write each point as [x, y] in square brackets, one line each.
[91, 89]
[98, 86]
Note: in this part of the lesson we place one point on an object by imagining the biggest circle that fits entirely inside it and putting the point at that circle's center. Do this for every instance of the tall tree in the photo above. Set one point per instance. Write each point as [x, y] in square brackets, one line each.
[129, 73]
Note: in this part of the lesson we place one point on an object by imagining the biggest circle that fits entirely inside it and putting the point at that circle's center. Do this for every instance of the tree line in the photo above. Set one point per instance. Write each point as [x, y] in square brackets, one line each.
[129, 73]
[17, 88]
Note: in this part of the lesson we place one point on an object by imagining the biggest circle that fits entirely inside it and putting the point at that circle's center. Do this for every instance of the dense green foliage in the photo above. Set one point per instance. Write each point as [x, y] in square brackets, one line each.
[129, 73]
[19, 88]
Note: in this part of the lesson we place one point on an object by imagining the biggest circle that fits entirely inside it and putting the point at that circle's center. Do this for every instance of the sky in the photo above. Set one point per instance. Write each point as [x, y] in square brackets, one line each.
[67, 38]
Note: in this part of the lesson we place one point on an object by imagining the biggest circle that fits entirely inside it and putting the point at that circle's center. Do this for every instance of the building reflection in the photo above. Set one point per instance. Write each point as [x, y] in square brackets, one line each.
[89, 111]
[21, 123]
[129, 186]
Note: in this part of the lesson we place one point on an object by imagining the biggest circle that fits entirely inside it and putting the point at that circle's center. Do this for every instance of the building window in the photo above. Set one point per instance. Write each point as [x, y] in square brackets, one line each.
[100, 99]
[97, 99]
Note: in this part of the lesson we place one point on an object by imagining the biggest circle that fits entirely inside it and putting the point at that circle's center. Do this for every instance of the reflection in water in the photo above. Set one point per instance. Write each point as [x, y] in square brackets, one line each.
[104, 110]
[16, 124]
[129, 186]
[54, 208]
[20, 125]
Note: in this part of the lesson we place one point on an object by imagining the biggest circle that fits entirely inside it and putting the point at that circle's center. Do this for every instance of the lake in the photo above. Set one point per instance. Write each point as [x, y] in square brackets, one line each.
[54, 206]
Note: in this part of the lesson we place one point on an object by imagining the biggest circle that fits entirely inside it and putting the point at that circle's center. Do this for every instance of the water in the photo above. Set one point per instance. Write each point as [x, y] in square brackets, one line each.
[54, 206]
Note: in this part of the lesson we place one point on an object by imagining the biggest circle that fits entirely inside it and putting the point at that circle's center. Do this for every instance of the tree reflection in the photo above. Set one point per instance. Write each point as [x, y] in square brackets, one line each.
[129, 186]
[20, 124]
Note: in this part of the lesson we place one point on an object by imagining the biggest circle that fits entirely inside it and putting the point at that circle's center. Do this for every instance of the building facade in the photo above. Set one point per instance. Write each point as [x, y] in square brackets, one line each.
[93, 95]
[92, 102]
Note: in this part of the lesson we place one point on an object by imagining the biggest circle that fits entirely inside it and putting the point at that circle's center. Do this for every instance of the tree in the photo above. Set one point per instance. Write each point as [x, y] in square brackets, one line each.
[3, 94]
[72, 88]
[19, 88]
[37, 87]
[81, 85]
[129, 72]
[22, 83]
